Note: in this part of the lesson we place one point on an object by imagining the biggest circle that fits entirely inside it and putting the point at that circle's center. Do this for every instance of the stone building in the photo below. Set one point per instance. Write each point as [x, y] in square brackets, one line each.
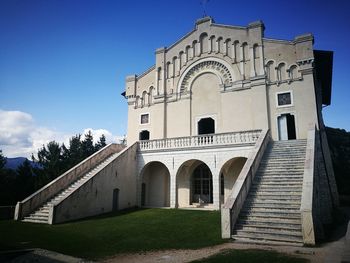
[226, 119]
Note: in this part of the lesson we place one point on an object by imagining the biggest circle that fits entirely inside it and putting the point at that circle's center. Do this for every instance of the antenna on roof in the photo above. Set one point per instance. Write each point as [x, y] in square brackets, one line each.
[204, 5]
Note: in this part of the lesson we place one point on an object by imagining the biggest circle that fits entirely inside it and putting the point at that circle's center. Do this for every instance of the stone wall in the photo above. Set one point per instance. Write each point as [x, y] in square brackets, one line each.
[96, 195]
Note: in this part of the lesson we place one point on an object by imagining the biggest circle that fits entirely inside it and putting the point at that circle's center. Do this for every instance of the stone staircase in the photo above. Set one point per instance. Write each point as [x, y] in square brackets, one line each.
[271, 212]
[41, 215]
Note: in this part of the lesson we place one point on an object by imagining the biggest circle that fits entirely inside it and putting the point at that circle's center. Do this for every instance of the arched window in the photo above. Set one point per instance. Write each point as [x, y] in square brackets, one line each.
[175, 66]
[270, 71]
[228, 47]
[194, 48]
[144, 99]
[219, 44]
[245, 51]
[181, 59]
[281, 71]
[293, 72]
[168, 71]
[235, 50]
[187, 53]
[203, 43]
[256, 51]
[151, 95]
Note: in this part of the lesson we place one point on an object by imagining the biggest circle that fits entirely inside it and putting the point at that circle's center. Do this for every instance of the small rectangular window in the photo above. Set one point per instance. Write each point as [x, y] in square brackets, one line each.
[284, 99]
[144, 118]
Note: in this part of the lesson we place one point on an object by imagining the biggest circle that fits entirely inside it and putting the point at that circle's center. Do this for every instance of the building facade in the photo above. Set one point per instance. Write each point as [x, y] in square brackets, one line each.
[226, 119]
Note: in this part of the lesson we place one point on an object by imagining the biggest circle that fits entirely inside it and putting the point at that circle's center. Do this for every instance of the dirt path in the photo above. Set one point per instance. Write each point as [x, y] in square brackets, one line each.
[315, 255]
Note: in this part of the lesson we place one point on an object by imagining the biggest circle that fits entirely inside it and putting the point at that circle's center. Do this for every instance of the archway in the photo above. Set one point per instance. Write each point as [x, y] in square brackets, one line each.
[228, 176]
[155, 185]
[194, 184]
[202, 185]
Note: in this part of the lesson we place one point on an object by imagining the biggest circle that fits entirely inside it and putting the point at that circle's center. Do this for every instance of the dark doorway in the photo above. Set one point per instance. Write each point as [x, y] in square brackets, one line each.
[202, 185]
[143, 194]
[206, 126]
[144, 135]
[115, 199]
[291, 127]
[286, 127]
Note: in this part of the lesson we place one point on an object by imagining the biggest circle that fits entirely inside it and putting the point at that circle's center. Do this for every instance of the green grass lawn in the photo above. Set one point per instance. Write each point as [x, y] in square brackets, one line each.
[251, 256]
[133, 231]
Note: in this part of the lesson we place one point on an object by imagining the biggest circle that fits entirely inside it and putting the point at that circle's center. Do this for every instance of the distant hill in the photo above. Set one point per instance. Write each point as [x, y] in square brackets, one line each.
[13, 163]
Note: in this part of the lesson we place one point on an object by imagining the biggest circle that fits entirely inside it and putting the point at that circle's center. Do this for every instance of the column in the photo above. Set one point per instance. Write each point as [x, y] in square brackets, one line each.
[173, 190]
[216, 189]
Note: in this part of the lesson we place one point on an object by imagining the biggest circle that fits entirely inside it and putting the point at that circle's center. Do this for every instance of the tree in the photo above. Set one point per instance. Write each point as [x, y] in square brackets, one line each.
[50, 158]
[75, 149]
[24, 180]
[88, 145]
[2, 160]
[101, 143]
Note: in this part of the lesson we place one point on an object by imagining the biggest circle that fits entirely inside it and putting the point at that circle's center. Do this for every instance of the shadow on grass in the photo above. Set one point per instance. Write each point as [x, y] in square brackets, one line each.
[251, 256]
[129, 231]
[106, 215]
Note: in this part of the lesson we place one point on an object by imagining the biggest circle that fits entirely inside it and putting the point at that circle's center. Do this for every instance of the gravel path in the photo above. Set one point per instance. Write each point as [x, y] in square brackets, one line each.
[315, 255]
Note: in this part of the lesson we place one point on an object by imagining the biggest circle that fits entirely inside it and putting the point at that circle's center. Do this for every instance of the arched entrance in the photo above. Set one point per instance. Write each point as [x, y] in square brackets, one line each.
[194, 184]
[155, 186]
[286, 127]
[228, 176]
[202, 185]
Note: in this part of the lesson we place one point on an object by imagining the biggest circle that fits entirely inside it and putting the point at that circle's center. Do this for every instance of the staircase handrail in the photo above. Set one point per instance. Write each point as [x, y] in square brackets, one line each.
[234, 203]
[32, 202]
[307, 222]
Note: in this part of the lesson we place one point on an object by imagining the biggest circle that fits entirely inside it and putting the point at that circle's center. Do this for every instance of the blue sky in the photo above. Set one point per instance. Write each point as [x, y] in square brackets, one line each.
[63, 62]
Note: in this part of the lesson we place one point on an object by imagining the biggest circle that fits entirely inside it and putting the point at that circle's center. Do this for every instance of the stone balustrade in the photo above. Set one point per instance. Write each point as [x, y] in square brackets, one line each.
[208, 140]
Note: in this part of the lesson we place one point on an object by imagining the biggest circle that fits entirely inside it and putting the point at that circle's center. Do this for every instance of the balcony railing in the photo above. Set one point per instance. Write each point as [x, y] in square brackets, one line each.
[207, 140]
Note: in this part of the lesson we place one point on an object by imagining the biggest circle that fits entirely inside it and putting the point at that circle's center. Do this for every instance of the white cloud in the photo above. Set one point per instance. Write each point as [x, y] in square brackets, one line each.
[20, 136]
[98, 133]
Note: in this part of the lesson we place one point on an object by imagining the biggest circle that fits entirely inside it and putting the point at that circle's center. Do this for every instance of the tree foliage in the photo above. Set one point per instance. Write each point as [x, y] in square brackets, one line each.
[52, 160]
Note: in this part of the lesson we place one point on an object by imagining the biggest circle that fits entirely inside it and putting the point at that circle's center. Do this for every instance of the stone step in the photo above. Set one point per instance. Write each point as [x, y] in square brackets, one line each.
[280, 177]
[288, 188]
[288, 236]
[40, 214]
[270, 222]
[295, 207]
[273, 203]
[29, 220]
[238, 239]
[278, 165]
[276, 193]
[263, 183]
[274, 210]
[286, 170]
[293, 230]
[276, 198]
[270, 214]
[268, 239]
